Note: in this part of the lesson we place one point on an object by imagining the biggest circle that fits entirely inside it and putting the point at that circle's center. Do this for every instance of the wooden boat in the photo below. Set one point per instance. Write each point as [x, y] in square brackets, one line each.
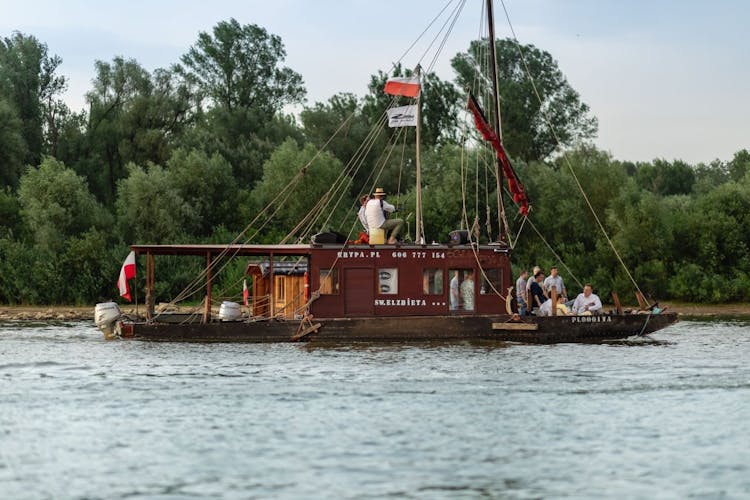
[375, 293]
[347, 292]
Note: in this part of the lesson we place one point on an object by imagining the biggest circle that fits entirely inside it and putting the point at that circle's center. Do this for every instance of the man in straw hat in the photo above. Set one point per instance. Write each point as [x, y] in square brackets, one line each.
[375, 213]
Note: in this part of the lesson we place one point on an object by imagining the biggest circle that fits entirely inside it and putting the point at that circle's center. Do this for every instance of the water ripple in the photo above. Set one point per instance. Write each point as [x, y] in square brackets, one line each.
[85, 418]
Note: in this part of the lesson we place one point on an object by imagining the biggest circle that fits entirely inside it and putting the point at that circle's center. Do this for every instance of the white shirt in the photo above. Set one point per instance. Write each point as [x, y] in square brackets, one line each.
[521, 288]
[555, 281]
[581, 303]
[454, 293]
[374, 214]
[546, 308]
[362, 217]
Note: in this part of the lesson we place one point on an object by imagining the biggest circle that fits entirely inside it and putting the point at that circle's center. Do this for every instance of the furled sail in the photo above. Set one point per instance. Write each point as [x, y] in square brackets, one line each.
[489, 135]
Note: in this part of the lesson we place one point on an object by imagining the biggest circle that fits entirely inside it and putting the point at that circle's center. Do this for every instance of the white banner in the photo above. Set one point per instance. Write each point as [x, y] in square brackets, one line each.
[403, 116]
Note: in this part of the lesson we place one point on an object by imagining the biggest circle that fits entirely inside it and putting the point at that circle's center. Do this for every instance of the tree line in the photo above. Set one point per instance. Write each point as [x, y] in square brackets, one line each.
[192, 153]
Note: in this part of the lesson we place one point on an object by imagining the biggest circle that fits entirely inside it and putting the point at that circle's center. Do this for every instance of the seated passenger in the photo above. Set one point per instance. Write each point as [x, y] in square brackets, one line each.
[546, 309]
[375, 211]
[587, 302]
[361, 214]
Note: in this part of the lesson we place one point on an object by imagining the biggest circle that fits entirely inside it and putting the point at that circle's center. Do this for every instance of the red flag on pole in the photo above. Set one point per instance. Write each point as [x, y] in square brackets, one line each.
[408, 86]
[127, 272]
[245, 293]
[489, 135]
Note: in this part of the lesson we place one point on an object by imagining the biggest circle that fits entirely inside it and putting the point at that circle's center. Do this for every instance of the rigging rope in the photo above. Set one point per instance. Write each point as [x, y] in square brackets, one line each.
[565, 158]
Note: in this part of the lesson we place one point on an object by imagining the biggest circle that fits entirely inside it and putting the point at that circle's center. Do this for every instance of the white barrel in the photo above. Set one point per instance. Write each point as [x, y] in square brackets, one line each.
[229, 311]
[106, 315]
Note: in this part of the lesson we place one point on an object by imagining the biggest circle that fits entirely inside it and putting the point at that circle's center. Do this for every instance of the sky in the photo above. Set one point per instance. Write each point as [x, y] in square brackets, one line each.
[665, 78]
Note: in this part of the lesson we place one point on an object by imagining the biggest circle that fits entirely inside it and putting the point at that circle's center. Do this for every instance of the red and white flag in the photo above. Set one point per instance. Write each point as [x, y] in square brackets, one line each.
[245, 293]
[407, 86]
[126, 273]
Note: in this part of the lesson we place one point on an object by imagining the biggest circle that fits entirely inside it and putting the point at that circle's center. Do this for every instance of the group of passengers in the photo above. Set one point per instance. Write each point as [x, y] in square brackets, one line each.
[534, 295]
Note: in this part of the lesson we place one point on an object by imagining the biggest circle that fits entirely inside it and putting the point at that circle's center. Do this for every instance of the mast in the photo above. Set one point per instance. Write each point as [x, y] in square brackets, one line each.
[503, 222]
[418, 234]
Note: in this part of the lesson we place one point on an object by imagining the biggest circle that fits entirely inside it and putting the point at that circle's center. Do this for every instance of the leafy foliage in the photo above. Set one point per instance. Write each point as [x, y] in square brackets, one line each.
[524, 117]
[194, 153]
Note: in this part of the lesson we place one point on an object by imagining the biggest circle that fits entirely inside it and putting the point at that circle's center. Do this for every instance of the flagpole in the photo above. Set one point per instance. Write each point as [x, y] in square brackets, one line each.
[418, 235]
[502, 221]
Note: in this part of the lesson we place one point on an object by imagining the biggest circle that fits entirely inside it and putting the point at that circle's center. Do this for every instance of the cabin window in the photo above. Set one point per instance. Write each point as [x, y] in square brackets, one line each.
[329, 281]
[432, 281]
[279, 289]
[492, 278]
[462, 289]
[388, 281]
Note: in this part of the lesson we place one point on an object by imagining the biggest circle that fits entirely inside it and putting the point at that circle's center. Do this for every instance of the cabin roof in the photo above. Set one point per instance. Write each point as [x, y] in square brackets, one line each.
[233, 250]
[290, 250]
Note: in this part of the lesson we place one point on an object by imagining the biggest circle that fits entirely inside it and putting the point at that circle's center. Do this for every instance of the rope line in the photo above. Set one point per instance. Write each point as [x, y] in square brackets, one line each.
[565, 158]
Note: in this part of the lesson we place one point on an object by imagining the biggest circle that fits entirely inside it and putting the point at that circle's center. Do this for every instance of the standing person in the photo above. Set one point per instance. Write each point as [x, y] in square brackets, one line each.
[361, 214]
[375, 211]
[536, 293]
[528, 286]
[521, 294]
[555, 280]
[467, 291]
[454, 291]
[587, 302]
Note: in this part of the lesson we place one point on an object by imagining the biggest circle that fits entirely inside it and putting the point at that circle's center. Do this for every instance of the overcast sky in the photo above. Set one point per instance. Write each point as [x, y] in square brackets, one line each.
[666, 78]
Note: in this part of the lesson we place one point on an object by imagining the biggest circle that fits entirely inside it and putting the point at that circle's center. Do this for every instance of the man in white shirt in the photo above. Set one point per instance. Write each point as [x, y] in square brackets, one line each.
[361, 214]
[587, 302]
[375, 215]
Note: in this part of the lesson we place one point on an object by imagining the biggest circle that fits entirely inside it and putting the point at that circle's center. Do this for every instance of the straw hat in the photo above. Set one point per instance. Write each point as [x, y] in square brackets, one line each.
[379, 192]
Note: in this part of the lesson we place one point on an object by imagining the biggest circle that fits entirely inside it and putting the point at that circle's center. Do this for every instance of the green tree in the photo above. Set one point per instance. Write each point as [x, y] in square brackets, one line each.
[666, 178]
[281, 170]
[56, 204]
[29, 82]
[739, 165]
[238, 70]
[134, 117]
[12, 145]
[207, 186]
[526, 133]
[238, 66]
[150, 209]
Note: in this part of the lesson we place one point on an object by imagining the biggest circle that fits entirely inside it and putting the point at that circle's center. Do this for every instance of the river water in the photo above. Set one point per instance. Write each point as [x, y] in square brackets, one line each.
[81, 417]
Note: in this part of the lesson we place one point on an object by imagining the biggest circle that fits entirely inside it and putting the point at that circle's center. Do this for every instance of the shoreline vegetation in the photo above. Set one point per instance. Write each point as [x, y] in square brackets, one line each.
[86, 313]
[200, 153]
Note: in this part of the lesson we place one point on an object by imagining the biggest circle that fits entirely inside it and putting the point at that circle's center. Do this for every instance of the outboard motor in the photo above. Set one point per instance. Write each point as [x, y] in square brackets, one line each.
[106, 315]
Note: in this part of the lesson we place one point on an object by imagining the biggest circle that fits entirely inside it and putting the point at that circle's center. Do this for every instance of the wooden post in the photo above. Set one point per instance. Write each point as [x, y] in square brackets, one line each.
[616, 300]
[150, 299]
[553, 297]
[271, 288]
[207, 309]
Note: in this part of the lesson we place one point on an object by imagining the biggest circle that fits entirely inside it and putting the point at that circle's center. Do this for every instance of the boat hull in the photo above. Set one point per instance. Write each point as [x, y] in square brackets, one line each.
[534, 330]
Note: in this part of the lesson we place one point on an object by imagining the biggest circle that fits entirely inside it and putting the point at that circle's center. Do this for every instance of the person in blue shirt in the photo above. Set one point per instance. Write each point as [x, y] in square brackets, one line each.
[536, 293]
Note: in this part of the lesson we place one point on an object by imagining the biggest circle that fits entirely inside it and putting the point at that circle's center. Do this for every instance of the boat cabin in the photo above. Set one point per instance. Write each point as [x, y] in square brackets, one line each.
[419, 280]
[339, 281]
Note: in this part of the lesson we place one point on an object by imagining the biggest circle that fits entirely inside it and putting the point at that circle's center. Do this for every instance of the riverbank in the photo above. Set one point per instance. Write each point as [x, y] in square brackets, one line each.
[85, 313]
